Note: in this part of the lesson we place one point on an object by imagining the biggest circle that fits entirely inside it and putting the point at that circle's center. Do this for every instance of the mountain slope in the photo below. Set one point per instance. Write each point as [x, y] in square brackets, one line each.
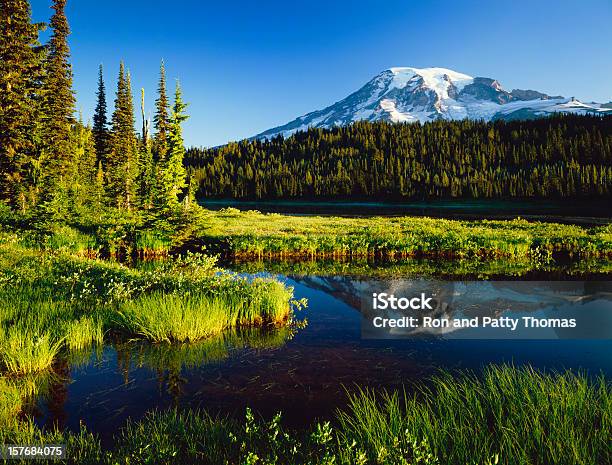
[428, 94]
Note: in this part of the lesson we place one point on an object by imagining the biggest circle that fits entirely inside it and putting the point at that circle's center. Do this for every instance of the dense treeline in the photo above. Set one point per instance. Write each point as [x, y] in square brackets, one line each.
[561, 156]
[55, 167]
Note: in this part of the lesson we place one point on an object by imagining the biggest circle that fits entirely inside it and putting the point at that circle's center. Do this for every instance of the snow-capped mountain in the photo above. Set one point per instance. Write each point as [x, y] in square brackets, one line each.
[412, 94]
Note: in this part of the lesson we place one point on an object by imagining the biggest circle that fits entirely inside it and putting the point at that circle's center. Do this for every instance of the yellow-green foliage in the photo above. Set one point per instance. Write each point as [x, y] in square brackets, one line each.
[84, 332]
[255, 233]
[162, 317]
[24, 352]
[53, 302]
[524, 415]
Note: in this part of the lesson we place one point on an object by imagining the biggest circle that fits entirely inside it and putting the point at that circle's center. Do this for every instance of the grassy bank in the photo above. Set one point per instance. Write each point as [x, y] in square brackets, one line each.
[54, 302]
[251, 234]
[254, 234]
[507, 416]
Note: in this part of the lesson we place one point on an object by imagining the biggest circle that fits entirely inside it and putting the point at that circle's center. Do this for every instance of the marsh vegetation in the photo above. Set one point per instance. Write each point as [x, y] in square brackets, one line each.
[508, 415]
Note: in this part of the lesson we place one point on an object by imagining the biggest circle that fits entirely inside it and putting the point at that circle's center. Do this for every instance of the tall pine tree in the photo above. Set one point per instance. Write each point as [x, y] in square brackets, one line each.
[173, 171]
[161, 120]
[82, 185]
[146, 173]
[100, 121]
[20, 74]
[58, 100]
[122, 165]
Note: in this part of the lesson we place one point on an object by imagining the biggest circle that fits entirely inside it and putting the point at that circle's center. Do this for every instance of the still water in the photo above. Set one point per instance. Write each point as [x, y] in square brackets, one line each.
[588, 212]
[303, 372]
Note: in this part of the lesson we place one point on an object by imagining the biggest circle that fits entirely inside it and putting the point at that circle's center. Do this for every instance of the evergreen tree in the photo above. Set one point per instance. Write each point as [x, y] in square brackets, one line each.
[20, 74]
[86, 160]
[98, 192]
[82, 180]
[145, 177]
[122, 164]
[145, 121]
[161, 120]
[100, 121]
[58, 99]
[173, 171]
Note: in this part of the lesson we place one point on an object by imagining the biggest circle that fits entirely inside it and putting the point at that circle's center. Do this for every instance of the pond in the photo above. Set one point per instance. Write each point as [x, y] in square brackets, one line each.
[302, 372]
[587, 212]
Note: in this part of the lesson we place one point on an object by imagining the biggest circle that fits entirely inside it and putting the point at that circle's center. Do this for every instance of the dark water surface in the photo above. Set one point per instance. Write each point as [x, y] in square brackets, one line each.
[589, 211]
[304, 374]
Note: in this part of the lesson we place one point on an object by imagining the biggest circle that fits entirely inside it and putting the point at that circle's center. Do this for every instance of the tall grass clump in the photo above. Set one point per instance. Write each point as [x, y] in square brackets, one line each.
[68, 239]
[188, 317]
[35, 327]
[151, 244]
[520, 416]
[162, 317]
[24, 352]
[82, 333]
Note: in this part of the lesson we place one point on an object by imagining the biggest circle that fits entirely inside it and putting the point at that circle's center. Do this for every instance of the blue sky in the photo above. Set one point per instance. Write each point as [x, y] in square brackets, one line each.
[248, 66]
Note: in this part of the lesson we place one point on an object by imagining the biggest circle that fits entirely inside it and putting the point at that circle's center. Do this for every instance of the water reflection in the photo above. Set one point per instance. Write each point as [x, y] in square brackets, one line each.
[467, 268]
[305, 373]
[587, 303]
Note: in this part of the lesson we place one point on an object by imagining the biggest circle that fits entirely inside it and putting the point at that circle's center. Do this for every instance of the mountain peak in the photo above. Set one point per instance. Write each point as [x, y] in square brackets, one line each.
[406, 94]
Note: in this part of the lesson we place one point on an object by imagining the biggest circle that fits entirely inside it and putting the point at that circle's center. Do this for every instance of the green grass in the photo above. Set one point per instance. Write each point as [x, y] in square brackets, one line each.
[84, 332]
[522, 415]
[255, 234]
[161, 317]
[24, 352]
[513, 416]
[56, 303]
[151, 244]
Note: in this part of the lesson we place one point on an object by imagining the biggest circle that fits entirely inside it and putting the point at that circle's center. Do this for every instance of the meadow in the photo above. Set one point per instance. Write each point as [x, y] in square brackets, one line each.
[253, 234]
[506, 416]
[54, 303]
[59, 299]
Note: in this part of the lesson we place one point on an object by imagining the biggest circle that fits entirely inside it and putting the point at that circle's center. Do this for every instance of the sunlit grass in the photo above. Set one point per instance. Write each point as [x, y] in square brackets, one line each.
[172, 318]
[24, 352]
[522, 415]
[163, 317]
[82, 333]
[152, 244]
[507, 415]
[251, 233]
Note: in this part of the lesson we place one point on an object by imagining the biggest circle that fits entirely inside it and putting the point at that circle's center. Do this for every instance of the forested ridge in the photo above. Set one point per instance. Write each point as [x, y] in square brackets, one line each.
[563, 156]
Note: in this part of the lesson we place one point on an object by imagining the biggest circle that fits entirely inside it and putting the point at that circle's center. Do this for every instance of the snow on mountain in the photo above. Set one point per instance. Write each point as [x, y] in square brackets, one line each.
[428, 94]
